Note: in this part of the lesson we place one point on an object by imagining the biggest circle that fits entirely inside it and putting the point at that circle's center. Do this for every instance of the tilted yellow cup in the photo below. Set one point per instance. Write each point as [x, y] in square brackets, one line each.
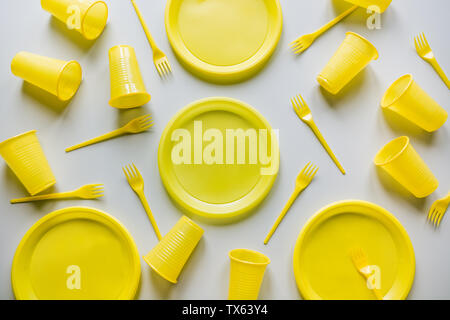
[403, 163]
[58, 77]
[25, 157]
[170, 255]
[88, 17]
[377, 5]
[246, 274]
[127, 86]
[406, 98]
[352, 56]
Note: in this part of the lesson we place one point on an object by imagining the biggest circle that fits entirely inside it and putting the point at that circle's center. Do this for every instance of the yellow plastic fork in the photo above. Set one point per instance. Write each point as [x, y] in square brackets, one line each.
[303, 180]
[137, 125]
[424, 50]
[136, 182]
[360, 261]
[304, 113]
[304, 42]
[438, 209]
[87, 192]
[159, 58]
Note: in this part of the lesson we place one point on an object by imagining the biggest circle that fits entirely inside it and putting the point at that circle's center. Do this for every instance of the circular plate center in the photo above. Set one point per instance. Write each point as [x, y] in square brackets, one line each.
[217, 183]
[223, 32]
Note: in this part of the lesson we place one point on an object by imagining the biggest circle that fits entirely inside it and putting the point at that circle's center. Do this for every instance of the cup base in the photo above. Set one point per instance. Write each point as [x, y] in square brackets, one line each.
[129, 101]
[158, 272]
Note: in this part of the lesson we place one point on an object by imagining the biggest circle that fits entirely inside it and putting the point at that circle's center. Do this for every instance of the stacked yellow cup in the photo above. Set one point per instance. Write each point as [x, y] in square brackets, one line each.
[25, 157]
[353, 55]
[170, 255]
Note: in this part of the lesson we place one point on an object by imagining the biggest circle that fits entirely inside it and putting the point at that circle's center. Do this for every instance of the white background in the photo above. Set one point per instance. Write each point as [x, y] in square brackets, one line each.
[352, 122]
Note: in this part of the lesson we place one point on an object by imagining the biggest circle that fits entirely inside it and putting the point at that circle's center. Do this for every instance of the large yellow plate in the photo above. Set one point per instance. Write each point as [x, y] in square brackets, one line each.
[220, 189]
[76, 254]
[223, 40]
[323, 267]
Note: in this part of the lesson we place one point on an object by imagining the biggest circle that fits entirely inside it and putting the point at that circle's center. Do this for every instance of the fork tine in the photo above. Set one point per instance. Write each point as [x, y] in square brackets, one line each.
[436, 217]
[137, 171]
[126, 174]
[300, 50]
[158, 68]
[440, 218]
[304, 103]
[425, 39]
[430, 212]
[163, 63]
[314, 172]
[144, 117]
[130, 172]
[432, 215]
[305, 167]
[416, 44]
[166, 62]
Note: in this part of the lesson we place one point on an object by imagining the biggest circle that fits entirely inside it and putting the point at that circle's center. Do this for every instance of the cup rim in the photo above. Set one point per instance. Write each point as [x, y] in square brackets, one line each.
[58, 82]
[383, 102]
[120, 45]
[399, 152]
[16, 137]
[365, 40]
[256, 253]
[87, 12]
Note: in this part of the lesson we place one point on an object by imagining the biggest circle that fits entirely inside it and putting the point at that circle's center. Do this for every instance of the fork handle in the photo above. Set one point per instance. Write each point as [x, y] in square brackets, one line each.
[144, 26]
[335, 21]
[440, 72]
[283, 213]
[101, 138]
[53, 196]
[322, 140]
[149, 214]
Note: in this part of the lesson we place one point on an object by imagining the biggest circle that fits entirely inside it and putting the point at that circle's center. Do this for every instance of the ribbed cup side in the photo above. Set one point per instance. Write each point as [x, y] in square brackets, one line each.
[125, 75]
[28, 162]
[352, 56]
[413, 173]
[171, 254]
[419, 108]
[40, 71]
[245, 281]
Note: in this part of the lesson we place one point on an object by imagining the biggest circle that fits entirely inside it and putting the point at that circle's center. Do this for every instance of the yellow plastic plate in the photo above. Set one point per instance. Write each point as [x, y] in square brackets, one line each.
[322, 264]
[216, 187]
[76, 254]
[223, 40]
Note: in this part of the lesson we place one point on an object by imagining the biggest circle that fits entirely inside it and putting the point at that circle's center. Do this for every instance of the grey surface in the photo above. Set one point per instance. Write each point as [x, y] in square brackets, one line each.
[352, 122]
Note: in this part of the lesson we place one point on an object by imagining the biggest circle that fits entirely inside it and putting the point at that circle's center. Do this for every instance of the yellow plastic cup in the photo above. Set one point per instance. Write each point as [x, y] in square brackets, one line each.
[88, 17]
[377, 5]
[352, 56]
[127, 86]
[24, 155]
[406, 98]
[246, 274]
[58, 77]
[170, 255]
[403, 163]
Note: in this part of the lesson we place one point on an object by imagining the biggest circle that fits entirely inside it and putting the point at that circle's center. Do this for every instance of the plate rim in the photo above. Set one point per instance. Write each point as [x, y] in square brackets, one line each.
[128, 294]
[305, 293]
[190, 208]
[224, 74]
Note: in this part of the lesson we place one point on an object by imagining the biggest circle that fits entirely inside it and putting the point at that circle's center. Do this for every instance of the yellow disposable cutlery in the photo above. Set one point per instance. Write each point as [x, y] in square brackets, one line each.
[136, 182]
[438, 209]
[304, 42]
[304, 113]
[303, 180]
[159, 58]
[137, 125]
[90, 191]
[424, 50]
[360, 261]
